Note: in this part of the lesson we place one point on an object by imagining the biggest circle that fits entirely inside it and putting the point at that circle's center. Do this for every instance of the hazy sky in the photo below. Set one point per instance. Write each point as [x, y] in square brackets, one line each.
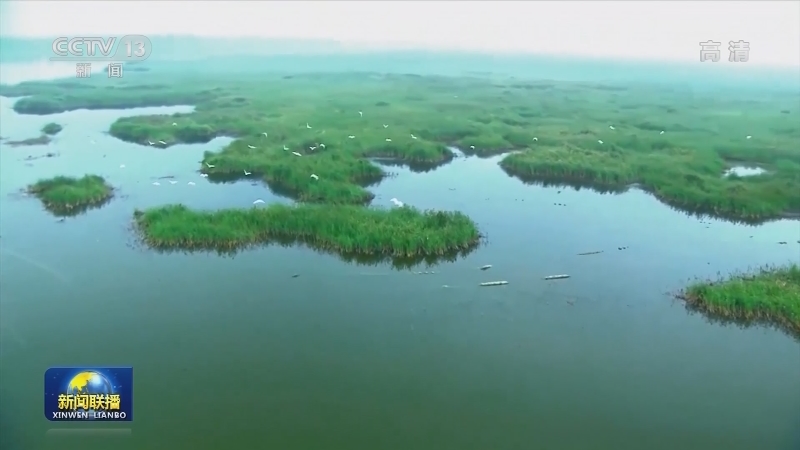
[629, 29]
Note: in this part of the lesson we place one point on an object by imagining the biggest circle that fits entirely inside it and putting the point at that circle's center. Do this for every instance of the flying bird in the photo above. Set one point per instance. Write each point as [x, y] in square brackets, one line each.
[296, 154]
[413, 137]
[162, 142]
[173, 182]
[748, 137]
[322, 145]
[156, 183]
[246, 173]
[257, 202]
[472, 147]
[662, 132]
[351, 137]
[265, 134]
[599, 141]
[191, 183]
[204, 175]
[396, 202]
[314, 176]
[535, 139]
[611, 127]
[251, 147]
[151, 142]
[210, 166]
[385, 126]
[174, 124]
[308, 126]
[388, 140]
[313, 148]
[285, 148]
[361, 114]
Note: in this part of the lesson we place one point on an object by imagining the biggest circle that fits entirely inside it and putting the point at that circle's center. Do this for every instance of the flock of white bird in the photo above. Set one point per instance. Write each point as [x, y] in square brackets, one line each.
[313, 176]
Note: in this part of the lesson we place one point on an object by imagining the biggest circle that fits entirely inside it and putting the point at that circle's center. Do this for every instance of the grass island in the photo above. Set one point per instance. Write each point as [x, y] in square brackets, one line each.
[52, 129]
[68, 196]
[769, 295]
[40, 140]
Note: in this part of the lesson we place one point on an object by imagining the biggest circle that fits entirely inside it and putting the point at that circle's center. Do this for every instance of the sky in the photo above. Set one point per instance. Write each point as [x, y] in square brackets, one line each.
[651, 30]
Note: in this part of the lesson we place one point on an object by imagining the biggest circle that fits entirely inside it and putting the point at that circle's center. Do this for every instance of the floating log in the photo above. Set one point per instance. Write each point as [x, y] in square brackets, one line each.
[486, 267]
[590, 253]
[556, 277]
[494, 283]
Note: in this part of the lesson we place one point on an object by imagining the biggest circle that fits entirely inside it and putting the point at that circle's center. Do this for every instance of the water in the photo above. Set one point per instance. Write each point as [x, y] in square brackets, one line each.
[743, 171]
[235, 353]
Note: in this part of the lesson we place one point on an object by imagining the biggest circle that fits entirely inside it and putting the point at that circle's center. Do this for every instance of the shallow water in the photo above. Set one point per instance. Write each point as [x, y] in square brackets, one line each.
[234, 353]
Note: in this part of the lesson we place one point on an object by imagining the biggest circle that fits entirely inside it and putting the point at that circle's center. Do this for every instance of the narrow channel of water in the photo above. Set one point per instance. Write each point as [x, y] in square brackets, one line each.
[349, 356]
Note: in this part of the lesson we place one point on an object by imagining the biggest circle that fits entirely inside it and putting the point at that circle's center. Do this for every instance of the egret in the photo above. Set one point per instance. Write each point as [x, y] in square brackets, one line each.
[122, 166]
[151, 142]
[174, 124]
[312, 148]
[204, 175]
[246, 173]
[388, 140]
[251, 147]
[308, 126]
[472, 147]
[296, 154]
[385, 126]
[536, 139]
[265, 134]
[748, 137]
[210, 166]
[314, 176]
[162, 142]
[285, 148]
[257, 202]
[322, 145]
[361, 114]
[599, 141]
[413, 137]
[173, 182]
[351, 137]
[611, 127]
[156, 183]
[396, 202]
[191, 183]
[662, 132]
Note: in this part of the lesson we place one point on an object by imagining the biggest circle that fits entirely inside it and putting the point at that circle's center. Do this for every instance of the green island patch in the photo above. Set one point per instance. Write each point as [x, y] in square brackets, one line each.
[40, 140]
[52, 129]
[770, 295]
[68, 196]
[405, 235]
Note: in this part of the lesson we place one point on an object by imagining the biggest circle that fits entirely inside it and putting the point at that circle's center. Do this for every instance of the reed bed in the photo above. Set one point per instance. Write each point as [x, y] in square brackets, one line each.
[769, 295]
[65, 196]
[400, 232]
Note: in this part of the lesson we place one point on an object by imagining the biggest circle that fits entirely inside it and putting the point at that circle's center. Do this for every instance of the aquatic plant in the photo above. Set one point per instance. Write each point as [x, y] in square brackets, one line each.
[350, 230]
[768, 295]
[52, 128]
[67, 196]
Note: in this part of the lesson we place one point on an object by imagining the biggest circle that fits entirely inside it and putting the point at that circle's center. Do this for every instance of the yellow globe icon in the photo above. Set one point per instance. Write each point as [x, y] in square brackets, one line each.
[89, 382]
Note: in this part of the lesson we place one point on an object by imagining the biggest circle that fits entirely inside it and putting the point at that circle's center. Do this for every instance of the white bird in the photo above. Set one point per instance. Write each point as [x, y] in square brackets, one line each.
[322, 145]
[351, 137]
[296, 154]
[314, 176]
[662, 132]
[257, 202]
[191, 183]
[151, 142]
[122, 166]
[174, 124]
[611, 127]
[535, 139]
[265, 134]
[472, 147]
[285, 148]
[162, 142]
[396, 202]
[156, 183]
[210, 166]
[388, 140]
[748, 137]
[361, 114]
[308, 126]
[173, 182]
[312, 148]
[251, 147]
[599, 141]
[413, 137]
[204, 175]
[385, 126]
[246, 173]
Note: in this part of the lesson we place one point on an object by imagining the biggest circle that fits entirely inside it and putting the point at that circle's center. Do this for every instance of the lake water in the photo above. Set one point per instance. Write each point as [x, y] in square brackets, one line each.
[235, 353]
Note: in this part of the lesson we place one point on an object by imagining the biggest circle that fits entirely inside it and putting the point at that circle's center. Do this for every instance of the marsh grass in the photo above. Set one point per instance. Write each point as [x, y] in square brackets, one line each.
[406, 235]
[704, 132]
[769, 295]
[68, 196]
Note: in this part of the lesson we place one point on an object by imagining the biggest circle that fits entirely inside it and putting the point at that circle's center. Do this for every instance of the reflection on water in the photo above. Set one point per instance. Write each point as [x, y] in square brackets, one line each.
[345, 356]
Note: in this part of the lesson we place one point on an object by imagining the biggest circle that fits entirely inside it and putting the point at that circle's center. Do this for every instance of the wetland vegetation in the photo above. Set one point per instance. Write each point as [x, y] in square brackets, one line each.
[68, 196]
[40, 140]
[52, 129]
[769, 295]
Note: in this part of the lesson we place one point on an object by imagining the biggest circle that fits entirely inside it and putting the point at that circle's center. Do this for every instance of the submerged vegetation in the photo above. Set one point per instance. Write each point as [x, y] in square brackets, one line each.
[348, 230]
[52, 128]
[671, 141]
[770, 295]
[67, 196]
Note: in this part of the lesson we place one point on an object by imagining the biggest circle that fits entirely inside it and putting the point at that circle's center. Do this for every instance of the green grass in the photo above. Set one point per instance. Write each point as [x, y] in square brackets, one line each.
[52, 129]
[769, 295]
[704, 132]
[67, 196]
[349, 230]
